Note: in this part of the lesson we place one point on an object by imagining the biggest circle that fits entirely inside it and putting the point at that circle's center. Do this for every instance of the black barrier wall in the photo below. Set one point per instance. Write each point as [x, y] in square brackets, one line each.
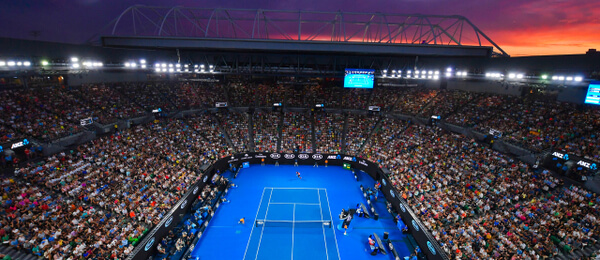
[424, 239]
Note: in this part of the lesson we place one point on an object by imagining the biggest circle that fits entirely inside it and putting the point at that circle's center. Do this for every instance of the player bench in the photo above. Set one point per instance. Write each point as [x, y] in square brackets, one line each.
[381, 245]
[372, 209]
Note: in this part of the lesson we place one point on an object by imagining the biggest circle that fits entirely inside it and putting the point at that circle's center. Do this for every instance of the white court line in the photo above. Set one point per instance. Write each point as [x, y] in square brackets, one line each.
[333, 230]
[323, 228]
[293, 225]
[294, 203]
[252, 230]
[293, 188]
[263, 227]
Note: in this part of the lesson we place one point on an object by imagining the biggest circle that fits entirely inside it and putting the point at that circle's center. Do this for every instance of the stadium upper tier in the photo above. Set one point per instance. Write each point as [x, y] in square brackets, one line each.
[536, 121]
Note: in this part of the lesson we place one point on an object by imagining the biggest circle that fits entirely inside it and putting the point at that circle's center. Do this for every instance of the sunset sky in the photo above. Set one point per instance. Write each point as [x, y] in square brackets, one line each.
[532, 27]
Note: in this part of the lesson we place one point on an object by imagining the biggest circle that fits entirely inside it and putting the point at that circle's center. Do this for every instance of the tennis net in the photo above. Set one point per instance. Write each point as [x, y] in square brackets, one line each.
[295, 224]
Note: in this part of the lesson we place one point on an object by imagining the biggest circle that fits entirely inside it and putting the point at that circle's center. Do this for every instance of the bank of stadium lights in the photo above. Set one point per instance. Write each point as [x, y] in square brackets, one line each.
[567, 78]
[494, 75]
[461, 74]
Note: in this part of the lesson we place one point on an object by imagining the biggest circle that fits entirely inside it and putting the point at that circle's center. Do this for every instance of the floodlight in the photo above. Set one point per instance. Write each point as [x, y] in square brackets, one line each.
[2, 63]
[27, 63]
[143, 66]
[164, 65]
[436, 77]
[127, 64]
[74, 59]
[569, 78]
[449, 69]
[157, 69]
[170, 69]
[75, 65]
[142, 61]
[487, 75]
[19, 63]
[417, 72]
[384, 71]
[430, 72]
[578, 78]
[437, 72]
[201, 65]
[177, 65]
[11, 63]
[544, 76]
[512, 75]
[561, 78]
[133, 65]
[520, 76]
[156, 65]
[164, 70]
[448, 74]
[554, 77]
[170, 65]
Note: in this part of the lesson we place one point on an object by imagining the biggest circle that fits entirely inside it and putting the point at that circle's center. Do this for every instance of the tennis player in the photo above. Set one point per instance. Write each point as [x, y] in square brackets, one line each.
[242, 221]
[298, 174]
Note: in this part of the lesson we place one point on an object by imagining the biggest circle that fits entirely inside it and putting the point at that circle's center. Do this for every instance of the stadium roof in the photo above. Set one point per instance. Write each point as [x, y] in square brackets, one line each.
[305, 31]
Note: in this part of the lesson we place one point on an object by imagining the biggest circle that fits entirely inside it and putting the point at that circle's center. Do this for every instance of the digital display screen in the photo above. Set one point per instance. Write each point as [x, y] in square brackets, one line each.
[359, 78]
[593, 94]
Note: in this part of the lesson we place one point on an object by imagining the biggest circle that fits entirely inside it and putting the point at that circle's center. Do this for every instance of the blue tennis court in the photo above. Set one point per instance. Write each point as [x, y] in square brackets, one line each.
[293, 223]
[292, 212]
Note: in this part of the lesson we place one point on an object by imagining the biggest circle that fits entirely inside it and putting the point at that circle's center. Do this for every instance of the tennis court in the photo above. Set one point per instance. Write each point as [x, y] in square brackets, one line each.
[293, 223]
[320, 194]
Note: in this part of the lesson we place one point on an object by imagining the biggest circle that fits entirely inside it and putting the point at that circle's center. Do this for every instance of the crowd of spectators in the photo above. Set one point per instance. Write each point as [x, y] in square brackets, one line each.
[359, 128]
[328, 132]
[198, 95]
[144, 170]
[446, 102]
[236, 125]
[479, 203]
[296, 133]
[266, 131]
[29, 116]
